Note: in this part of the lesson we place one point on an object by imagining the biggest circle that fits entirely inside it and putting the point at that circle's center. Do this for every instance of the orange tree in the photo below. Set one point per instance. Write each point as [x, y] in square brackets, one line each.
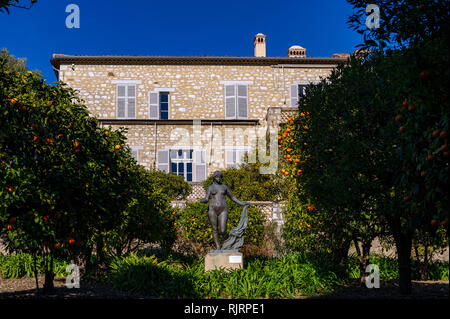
[414, 70]
[331, 204]
[65, 182]
[375, 140]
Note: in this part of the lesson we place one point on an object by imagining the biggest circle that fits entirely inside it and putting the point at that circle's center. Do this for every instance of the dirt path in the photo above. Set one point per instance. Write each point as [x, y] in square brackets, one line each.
[24, 288]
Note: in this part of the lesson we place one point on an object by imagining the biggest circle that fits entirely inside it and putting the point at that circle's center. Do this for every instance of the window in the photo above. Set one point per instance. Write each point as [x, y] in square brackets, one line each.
[164, 105]
[181, 163]
[234, 157]
[126, 101]
[159, 105]
[297, 92]
[135, 152]
[236, 101]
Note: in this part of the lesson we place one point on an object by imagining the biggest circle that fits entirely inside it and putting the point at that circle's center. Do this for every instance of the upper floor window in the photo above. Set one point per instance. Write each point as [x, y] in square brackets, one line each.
[126, 101]
[159, 105]
[236, 101]
[297, 92]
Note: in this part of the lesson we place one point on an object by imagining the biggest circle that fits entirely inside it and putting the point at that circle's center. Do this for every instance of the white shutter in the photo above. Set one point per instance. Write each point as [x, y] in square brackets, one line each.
[294, 95]
[240, 156]
[121, 95]
[163, 161]
[230, 158]
[200, 165]
[120, 107]
[230, 101]
[154, 112]
[134, 154]
[242, 105]
[131, 106]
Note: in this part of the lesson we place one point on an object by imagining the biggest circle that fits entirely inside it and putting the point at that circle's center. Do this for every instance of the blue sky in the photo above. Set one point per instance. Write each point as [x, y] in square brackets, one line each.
[138, 27]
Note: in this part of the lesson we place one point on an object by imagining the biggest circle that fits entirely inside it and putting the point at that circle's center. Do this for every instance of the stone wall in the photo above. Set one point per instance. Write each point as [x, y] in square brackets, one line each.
[198, 90]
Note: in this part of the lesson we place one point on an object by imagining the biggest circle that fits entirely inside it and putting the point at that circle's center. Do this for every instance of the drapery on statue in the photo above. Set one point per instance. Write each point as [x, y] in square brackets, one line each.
[218, 215]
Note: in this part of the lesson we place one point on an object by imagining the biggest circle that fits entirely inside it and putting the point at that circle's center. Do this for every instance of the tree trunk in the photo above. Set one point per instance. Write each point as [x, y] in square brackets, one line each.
[403, 242]
[49, 276]
[35, 270]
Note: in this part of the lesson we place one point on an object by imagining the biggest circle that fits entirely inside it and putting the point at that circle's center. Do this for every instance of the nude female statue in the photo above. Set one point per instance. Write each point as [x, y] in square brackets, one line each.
[217, 211]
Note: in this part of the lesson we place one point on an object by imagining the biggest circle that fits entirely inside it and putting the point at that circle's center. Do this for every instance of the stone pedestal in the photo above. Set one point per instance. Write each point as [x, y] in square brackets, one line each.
[224, 259]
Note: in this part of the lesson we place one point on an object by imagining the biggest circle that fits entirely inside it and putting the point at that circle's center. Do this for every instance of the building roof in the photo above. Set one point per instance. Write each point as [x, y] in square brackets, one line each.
[59, 59]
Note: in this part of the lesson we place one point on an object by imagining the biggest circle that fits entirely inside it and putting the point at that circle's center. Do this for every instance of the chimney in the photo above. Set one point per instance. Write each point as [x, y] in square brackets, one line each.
[259, 42]
[297, 51]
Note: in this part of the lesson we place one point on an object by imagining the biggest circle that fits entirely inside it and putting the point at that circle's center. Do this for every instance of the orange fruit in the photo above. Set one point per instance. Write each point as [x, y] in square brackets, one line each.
[435, 133]
[423, 173]
[411, 108]
[434, 223]
[430, 158]
[444, 148]
[424, 74]
[402, 129]
[10, 189]
[106, 133]
[443, 135]
[12, 220]
[76, 144]
[399, 118]
[71, 241]
[9, 227]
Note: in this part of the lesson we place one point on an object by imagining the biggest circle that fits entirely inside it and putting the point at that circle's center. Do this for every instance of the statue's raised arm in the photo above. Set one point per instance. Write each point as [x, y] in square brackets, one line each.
[234, 199]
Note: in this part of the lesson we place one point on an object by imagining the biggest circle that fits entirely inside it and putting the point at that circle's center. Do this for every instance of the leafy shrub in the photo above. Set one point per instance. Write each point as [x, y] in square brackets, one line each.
[20, 265]
[438, 270]
[174, 186]
[284, 277]
[194, 226]
[248, 184]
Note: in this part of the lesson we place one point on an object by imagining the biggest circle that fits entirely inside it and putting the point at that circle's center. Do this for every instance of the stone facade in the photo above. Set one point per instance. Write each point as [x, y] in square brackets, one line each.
[196, 101]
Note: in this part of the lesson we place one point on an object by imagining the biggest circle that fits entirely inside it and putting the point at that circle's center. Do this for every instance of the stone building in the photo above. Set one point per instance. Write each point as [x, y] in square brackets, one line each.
[192, 115]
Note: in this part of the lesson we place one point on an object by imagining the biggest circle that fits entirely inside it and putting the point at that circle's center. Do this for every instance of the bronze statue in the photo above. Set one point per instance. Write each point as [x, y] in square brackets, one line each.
[218, 214]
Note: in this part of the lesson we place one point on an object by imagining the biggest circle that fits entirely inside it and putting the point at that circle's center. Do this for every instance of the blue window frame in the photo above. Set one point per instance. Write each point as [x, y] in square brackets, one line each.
[181, 163]
[164, 105]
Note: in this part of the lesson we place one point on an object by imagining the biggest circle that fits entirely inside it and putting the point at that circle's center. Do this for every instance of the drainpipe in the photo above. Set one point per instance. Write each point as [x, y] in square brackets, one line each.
[284, 86]
[211, 147]
[156, 139]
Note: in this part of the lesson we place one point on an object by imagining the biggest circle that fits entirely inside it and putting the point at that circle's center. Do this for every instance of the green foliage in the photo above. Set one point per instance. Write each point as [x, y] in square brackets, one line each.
[174, 186]
[284, 277]
[194, 226]
[20, 265]
[402, 23]
[248, 184]
[438, 270]
[68, 186]
[14, 64]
